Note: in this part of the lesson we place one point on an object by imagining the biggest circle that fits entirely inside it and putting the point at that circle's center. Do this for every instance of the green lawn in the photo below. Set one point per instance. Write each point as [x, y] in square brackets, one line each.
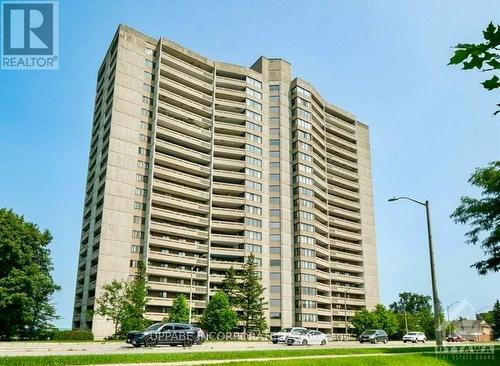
[141, 357]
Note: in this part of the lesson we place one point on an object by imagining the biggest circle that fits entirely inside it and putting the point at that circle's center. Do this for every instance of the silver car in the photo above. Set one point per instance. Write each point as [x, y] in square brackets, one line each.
[306, 338]
[414, 337]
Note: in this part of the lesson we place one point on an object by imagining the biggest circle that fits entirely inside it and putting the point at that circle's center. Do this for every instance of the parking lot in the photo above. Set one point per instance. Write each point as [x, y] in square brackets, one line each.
[53, 348]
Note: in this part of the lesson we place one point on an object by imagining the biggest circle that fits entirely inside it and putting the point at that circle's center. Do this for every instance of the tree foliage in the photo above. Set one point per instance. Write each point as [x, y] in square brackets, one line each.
[219, 317]
[26, 285]
[484, 56]
[124, 302]
[411, 303]
[483, 215]
[378, 318]
[179, 312]
[230, 287]
[496, 319]
[251, 300]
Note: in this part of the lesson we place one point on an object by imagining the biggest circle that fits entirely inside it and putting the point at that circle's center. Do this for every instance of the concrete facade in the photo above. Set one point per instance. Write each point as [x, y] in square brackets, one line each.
[193, 159]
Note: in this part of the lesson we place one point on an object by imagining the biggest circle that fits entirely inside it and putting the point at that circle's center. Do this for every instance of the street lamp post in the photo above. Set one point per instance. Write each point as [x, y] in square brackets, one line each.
[191, 286]
[437, 322]
[406, 321]
[345, 308]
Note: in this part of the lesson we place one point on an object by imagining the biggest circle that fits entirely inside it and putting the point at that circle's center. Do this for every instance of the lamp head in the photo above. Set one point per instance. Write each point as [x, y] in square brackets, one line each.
[392, 199]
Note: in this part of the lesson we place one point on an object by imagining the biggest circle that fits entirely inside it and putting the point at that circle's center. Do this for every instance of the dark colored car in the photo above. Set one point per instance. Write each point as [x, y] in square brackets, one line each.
[172, 334]
[453, 337]
[373, 336]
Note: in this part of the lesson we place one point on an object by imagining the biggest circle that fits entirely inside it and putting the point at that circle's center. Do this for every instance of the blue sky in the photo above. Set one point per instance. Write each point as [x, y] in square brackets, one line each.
[385, 61]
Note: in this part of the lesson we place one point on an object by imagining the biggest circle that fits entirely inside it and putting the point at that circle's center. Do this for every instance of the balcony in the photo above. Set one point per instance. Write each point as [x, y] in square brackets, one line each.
[227, 239]
[182, 165]
[179, 259]
[232, 83]
[181, 190]
[227, 213]
[347, 267]
[179, 231]
[182, 139]
[165, 242]
[183, 89]
[229, 175]
[227, 140]
[346, 256]
[227, 226]
[177, 273]
[184, 78]
[232, 94]
[342, 202]
[225, 188]
[182, 152]
[344, 234]
[179, 217]
[183, 114]
[344, 193]
[186, 67]
[178, 203]
[229, 116]
[344, 278]
[229, 128]
[346, 214]
[344, 183]
[229, 152]
[229, 105]
[225, 265]
[179, 177]
[228, 201]
[341, 172]
[228, 164]
[176, 288]
[340, 223]
[229, 252]
[184, 128]
[185, 103]
[345, 245]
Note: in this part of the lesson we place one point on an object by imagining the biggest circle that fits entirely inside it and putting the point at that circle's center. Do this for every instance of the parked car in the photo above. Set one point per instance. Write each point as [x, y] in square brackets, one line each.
[306, 337]
[172, 334]
[414, 337]
[453, 337]
[283, 333]
[373, 336]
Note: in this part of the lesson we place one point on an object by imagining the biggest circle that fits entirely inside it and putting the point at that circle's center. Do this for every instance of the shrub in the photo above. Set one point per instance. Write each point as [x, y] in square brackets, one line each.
[73, 335]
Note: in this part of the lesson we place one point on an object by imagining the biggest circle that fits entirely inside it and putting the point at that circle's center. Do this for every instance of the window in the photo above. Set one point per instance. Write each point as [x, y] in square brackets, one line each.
[275, 289]
[304, 168]
[302, 91]
[274, 131]
[254, 116]
[301, 239]
[274, 315]
[303, 191]
[138, 234]
[140, 206]
[134, 263]
[274, 109]
[253, 197]
[148, 75]
[305, 203]
[253, 185]
[274, 177]
[302, 135]
[148, 88]
[254, 161]
[254, 93]
[254, 82]
[275, 200]
[274, 88]
[141, 178]
[274, 263]
[147, 100]
[253, 210]
[303, 179]
[275, 212]
[254, 138]
[303, 102]
[275, 250]
[139, 220]
[275, 225]
[254, 235]
[275, 302]
[304, 227]
[274, 165]
[253, 248]
[302, 113]
[253, 222]
[143, 164]
[141, 192]
[253, 149]
[274, 99]
[254, 126]
[149, 51]
[146, 113]
[303, 124]
[143, 151]
[303, 156]
[254, 104]
[274, 189]
[302, 145]
[306, 317]
[303, 215]
[135, 249]
[274, 154]
[274, 142]
[308, 304]
[144, 138]
[274, 121]
[145, 125]
[149, 63]
[253, 173]
[305, 265]
[275, 237]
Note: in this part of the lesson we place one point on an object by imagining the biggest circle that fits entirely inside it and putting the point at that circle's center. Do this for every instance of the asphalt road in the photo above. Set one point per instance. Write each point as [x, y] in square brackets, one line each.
[52, 348]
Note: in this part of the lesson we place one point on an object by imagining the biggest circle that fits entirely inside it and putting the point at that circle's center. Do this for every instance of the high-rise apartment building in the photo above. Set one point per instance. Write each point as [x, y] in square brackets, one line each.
[194, 164]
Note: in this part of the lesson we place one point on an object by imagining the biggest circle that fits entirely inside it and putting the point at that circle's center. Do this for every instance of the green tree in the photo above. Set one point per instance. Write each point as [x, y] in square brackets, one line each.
[179, 312]
[411, 303]
[113, 303]
[219, 316]
[230, 287]
[496, 319]
[136, 301]
[251, 300]
[378, 318]
[483, 56]
[26, 285]
[484, 216]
